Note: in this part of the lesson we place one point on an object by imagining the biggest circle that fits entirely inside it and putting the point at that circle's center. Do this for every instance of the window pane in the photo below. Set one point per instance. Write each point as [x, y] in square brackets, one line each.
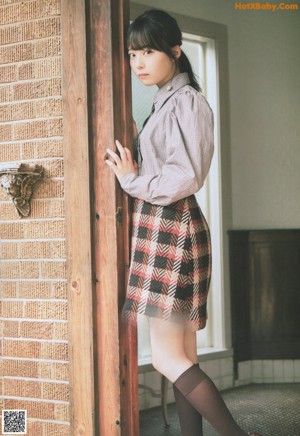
[142, 99]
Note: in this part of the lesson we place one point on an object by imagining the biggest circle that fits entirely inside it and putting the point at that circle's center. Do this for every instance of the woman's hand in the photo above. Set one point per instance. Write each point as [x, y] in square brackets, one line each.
[123, 164]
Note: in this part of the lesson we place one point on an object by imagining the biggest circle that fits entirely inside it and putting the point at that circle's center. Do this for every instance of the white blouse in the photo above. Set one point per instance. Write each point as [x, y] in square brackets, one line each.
[176, 146]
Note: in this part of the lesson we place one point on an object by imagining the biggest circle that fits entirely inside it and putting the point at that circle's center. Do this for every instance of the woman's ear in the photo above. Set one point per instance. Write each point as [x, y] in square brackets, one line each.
[176, 50]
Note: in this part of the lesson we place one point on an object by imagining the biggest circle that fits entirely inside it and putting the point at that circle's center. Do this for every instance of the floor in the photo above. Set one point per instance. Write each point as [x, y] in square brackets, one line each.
[270, 409]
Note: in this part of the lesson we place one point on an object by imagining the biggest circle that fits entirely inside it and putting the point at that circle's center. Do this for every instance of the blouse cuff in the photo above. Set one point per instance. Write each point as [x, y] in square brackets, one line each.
[127, 180]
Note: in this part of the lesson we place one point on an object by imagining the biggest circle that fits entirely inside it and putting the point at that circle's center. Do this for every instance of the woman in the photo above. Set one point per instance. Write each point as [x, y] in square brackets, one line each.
[171, 253]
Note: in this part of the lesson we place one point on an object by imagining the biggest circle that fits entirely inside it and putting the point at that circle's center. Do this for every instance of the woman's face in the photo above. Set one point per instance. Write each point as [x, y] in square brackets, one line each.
[151, 66]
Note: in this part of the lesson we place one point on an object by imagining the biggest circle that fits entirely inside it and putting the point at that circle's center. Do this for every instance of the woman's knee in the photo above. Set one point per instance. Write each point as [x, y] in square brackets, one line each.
[167, 362]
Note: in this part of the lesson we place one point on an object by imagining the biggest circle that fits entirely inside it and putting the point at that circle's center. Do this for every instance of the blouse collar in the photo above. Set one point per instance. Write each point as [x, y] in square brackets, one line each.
[165, 92]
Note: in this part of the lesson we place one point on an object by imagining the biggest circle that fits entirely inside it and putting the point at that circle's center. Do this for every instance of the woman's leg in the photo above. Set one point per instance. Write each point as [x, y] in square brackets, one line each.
[190, 419]
[168, 348]
[169, 358]
[190, 345]
[180, 350]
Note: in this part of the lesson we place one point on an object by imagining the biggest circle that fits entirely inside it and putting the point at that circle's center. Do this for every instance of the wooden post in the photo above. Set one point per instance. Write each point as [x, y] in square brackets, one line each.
[77, 212]
[110, 96]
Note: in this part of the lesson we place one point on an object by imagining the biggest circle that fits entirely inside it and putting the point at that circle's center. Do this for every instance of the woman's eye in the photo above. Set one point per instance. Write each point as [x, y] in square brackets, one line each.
[148, 51]
[131, 55]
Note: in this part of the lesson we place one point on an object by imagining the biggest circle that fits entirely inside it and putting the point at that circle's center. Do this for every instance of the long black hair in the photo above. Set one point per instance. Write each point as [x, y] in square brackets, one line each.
[158, 30]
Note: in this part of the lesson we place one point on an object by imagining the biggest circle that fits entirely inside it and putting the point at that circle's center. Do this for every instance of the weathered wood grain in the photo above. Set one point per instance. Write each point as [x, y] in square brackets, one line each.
[77, 212]
[115, 343]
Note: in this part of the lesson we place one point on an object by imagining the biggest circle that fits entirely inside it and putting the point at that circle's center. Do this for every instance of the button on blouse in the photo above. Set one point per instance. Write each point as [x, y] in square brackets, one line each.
[175, 146]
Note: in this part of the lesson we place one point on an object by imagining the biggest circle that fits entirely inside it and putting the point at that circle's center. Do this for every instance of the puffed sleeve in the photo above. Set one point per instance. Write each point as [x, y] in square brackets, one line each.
[189, 145]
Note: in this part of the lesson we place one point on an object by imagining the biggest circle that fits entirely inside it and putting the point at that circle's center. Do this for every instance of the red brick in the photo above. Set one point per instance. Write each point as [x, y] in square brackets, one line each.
[40, 249]
[32, 290]
[32, 369]
[16, 53]
[12, 309]
[36, 330]
[8, 289]
[31, 128]
[31, 30]
[35, 428]
[21, 349]
[51, 429]
[14, 270]
[11, 329]
[29, 10]
[38, 129]
[53, 208]
[6, 133]
[47, 48]
[8, 250]
[44, 229]
[61, 412]
[10, 152]
[37, 89]
[40, 68]
[35, 409]
[5, 93]
[19, 368]
[46, 310]
[8, 74]
[50, 148]
[55, 391]
[53, 270]
[54, 351]
[49, 189]
[11, 230]
[35, 350]
[31, 110]
[22, 388]
[60, 290]
[53, 370]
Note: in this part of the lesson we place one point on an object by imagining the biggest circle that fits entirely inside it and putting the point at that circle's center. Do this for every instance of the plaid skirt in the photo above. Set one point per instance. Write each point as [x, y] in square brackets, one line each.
[170, 266]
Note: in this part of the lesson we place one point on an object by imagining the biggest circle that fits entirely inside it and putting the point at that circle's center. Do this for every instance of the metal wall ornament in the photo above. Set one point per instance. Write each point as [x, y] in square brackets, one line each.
[18, 183]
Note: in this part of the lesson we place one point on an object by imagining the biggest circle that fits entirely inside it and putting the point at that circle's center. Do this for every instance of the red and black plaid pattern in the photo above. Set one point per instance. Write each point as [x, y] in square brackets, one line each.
[171, 263]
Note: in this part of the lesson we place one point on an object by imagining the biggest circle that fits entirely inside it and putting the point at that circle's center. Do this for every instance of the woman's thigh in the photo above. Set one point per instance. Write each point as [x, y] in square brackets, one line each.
[168, 348]
[190, 345]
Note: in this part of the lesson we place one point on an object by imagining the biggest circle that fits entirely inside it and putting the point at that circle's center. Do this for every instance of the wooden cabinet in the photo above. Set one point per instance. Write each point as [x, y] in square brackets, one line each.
[265, 293]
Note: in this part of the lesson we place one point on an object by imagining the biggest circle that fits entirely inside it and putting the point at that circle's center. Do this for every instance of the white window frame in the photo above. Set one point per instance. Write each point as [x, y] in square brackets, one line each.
[209, 196]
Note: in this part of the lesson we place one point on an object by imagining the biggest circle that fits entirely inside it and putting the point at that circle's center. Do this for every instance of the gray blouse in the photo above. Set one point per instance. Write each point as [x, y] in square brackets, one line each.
[176, 146]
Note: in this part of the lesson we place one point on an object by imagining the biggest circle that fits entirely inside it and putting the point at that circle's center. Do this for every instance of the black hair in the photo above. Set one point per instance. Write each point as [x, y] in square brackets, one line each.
[156, 29]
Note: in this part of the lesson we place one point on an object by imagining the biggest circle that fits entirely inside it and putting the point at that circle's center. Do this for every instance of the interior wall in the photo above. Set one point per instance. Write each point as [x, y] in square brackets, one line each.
[264, 67]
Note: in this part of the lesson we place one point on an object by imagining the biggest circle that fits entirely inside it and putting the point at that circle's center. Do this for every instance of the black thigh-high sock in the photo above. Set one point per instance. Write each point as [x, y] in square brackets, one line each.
[203, 395]
[189, 418]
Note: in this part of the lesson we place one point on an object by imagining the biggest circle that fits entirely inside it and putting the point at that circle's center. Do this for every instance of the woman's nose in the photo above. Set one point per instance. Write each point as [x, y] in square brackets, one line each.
[139, 62]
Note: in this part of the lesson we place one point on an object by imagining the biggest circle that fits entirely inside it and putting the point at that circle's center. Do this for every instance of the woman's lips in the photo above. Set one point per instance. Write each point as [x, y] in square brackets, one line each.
[142, 76]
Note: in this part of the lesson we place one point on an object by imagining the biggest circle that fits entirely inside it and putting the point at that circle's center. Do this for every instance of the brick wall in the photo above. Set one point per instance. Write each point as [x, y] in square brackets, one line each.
[34, 364]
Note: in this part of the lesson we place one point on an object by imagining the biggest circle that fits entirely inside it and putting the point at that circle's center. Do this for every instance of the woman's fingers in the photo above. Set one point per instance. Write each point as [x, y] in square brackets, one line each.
[109, 162]
[128, 153]
[114, 156]
[122, 164]
[121, 150]
[125, 153]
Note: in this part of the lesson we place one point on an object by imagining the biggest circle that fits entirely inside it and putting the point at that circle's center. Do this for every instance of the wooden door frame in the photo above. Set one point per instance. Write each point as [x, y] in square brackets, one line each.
[77, 216]
[97, 102]
[110, 115]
